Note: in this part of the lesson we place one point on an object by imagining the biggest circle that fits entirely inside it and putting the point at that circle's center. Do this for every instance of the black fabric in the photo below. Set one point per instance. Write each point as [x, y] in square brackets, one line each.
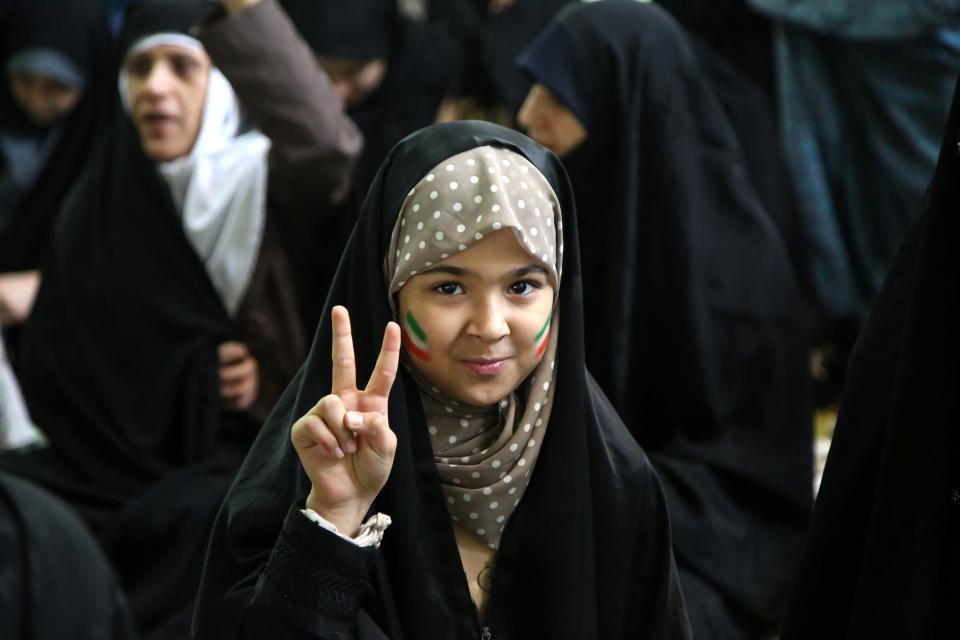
[422, 63]
[147, 17]
[54, 581]
[119, 357]
[491, 43]
[882, 560]
[118, 364]
[313, 575]
[694, 330]
[751, 115]
[358, 29]
[733, 29]
[78, 30]
[585, 555]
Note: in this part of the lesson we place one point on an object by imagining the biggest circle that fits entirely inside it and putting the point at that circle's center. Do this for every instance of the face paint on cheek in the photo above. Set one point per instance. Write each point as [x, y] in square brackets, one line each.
[415, 339]
[543, 336]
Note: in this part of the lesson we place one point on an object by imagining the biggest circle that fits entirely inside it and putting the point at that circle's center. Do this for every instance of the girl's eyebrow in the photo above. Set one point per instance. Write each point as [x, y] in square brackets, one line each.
[527, 270]
[461, 272]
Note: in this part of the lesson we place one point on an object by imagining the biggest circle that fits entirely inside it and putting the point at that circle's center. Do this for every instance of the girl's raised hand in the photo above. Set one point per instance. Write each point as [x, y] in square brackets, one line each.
[345, 442]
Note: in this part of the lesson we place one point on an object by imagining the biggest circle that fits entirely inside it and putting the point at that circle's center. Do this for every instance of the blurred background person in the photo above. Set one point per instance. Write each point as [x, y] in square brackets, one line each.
[56, 95]
[863, 96]
[392, 72]
[694, 323]
[490, 34]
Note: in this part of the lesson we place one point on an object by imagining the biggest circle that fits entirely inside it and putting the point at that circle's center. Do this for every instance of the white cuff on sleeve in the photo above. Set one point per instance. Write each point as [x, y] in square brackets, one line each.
[370, 534]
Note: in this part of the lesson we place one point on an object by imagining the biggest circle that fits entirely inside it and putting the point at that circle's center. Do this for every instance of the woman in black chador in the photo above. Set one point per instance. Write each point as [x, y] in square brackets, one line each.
[56, 94]
[54, 580]
[882, 558]
[694, 329]
[169, 318]
[520, 506]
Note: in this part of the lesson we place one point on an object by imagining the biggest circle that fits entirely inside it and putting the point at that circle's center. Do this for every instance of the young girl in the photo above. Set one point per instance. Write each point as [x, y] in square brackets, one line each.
[520, 505]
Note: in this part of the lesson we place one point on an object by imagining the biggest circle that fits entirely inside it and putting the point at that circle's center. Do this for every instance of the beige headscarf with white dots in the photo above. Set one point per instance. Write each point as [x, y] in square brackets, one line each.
[484, 454]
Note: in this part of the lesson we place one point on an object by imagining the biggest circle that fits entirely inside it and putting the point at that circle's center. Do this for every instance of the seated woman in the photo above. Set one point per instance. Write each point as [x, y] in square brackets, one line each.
[54, 578]
[520, 505]
[56, 95]
[695, 329]
[171, 311]
[882, 558]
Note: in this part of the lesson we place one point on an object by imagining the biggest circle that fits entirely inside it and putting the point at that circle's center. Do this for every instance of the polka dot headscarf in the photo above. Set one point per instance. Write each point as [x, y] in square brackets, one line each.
[484, 454]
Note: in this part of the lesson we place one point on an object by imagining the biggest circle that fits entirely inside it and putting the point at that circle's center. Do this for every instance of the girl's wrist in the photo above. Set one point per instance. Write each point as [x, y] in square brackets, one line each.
[347, 516]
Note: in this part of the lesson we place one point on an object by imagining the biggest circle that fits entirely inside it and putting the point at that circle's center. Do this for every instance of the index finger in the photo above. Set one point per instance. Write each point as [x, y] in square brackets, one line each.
[344, 364]
[385, 372]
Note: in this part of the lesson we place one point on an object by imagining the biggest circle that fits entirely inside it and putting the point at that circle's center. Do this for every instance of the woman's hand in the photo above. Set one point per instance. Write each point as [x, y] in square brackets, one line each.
[239, 376]
[234, 6]
[345, 442]
[17, 293]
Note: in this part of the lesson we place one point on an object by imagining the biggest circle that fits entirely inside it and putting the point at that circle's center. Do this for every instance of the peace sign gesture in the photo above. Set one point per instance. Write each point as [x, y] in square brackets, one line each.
[344, 442]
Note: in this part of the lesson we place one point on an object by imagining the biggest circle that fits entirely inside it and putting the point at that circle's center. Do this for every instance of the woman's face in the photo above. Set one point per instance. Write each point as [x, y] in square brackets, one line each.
[475, 323]
[168, 89]
[550, 122]
[45, 101]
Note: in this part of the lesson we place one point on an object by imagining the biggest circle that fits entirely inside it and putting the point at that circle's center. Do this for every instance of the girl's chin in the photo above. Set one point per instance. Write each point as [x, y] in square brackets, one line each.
[479, 394]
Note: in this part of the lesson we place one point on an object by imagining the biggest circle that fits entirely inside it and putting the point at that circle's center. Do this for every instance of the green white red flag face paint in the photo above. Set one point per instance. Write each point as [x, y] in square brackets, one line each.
[415, 339]
[543, 336]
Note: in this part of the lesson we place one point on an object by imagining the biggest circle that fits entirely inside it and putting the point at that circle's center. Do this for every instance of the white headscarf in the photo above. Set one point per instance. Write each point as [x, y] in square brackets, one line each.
[16, 428]
[220, 187]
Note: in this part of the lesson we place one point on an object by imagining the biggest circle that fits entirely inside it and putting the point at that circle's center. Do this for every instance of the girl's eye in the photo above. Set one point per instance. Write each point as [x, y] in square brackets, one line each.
[448, 289]
[523, 287]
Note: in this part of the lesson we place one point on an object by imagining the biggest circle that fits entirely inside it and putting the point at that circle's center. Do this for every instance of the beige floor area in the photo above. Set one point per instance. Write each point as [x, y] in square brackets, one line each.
[823, 424]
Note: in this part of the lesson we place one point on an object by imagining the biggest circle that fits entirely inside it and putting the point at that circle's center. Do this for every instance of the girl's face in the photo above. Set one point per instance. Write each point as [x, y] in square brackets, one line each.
[475, 324]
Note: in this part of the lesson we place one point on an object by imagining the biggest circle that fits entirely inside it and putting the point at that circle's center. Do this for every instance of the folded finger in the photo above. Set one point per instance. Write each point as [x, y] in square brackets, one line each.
[246, 368]
[310, 431]
[331, 410]
[232, 351]
[237, 389]
[374, 431]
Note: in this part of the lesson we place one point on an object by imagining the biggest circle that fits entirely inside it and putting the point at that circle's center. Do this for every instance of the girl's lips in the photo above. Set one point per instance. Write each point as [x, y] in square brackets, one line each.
[489, 367]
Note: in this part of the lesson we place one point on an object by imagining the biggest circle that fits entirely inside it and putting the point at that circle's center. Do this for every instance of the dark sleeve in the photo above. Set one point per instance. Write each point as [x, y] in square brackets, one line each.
[312, 586]
[278, 80]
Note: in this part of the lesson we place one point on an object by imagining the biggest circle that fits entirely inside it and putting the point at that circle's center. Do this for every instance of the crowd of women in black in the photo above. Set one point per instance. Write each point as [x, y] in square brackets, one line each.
[304, 338]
